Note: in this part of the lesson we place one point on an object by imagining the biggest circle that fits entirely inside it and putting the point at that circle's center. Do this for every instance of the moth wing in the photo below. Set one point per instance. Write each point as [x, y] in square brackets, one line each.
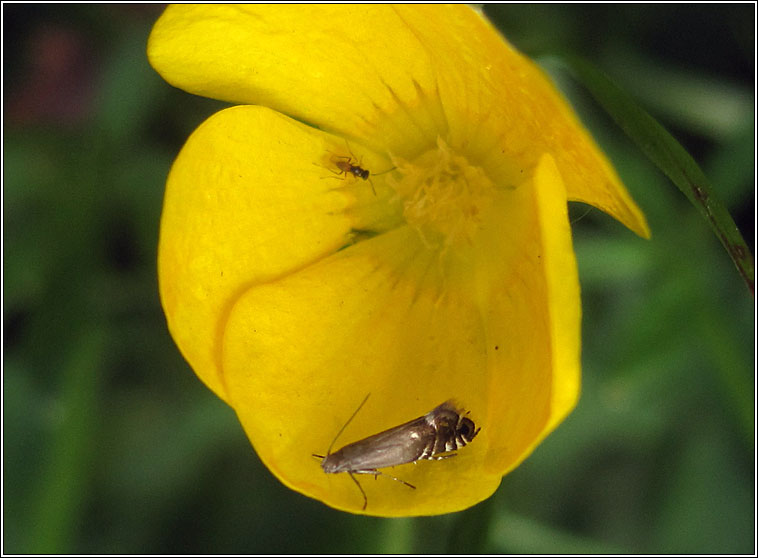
[396, 446]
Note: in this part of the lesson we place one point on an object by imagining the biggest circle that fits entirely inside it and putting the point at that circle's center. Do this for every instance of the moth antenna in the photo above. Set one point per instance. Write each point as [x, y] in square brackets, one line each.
[582, 216]
[329, 451]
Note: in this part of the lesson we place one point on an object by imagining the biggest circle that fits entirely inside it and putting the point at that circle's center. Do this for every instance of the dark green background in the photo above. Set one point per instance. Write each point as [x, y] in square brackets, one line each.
[111, 444]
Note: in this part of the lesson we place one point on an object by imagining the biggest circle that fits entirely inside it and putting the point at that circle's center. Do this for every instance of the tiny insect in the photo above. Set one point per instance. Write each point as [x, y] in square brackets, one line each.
[348, 165]
[443, 429]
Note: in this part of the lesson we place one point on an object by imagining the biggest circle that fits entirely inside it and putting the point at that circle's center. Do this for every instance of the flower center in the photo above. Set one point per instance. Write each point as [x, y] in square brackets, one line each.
[444, 196]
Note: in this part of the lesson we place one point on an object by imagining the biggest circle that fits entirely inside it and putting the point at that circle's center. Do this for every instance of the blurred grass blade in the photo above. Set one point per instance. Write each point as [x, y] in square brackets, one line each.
[56, 506]
[513, 533]
[669, 156]
[470, 529]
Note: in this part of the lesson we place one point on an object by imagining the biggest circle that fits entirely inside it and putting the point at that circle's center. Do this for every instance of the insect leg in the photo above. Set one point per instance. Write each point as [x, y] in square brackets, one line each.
[351, 151]
[376, 473]
[438, 457]
[409, 485]
[338, 173]
[346, 158]
[365, 500]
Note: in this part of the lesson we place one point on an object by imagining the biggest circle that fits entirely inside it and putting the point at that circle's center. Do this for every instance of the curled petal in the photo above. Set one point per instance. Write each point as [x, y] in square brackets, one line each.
[240, 209]
[388, 317]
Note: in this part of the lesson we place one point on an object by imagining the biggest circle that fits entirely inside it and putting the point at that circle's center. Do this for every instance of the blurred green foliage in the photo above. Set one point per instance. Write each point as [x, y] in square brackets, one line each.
[111, 444]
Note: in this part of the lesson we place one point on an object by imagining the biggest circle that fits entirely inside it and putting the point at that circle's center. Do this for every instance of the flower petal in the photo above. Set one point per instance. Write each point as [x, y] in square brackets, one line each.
[505, 112]
[246, 201]
[301, 353]
[563, 304]
[325, 64]
[396, 77]
[389, 317]
[533, 312]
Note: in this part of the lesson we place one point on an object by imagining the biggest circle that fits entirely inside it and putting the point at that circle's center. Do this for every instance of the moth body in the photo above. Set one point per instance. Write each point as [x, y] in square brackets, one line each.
[432, 436]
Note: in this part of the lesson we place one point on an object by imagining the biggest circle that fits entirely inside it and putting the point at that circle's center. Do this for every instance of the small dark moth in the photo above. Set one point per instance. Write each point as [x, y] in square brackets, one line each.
[443, 429]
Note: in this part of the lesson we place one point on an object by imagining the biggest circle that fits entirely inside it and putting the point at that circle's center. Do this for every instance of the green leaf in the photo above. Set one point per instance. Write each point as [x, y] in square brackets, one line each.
[668, 155]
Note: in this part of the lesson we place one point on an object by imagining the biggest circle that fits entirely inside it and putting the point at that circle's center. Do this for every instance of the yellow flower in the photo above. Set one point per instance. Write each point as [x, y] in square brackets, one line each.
[294, 287]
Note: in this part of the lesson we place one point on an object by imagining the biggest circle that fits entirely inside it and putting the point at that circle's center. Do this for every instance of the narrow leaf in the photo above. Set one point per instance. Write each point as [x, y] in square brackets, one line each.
[669, 156]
